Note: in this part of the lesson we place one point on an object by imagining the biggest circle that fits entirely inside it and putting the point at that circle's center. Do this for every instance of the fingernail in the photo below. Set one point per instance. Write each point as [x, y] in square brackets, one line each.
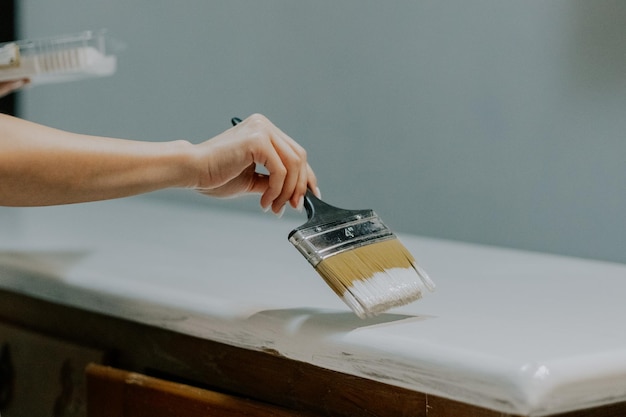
[318, 193]
[266, 208]
[281, 212]
[300, 205]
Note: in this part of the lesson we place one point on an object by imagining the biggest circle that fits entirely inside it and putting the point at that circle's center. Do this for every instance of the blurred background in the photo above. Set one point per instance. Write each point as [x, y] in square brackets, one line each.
[499, 123]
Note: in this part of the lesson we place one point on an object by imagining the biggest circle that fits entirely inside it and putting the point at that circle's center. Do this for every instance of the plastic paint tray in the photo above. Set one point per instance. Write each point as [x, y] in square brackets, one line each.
[57, 59]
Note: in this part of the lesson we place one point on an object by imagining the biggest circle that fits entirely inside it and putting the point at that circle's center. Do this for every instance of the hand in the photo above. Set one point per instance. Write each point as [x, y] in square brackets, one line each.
[7, 87]
[229, 161]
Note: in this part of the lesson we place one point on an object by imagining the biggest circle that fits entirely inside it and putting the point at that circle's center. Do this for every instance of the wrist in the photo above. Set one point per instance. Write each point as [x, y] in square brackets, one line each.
[182, 159]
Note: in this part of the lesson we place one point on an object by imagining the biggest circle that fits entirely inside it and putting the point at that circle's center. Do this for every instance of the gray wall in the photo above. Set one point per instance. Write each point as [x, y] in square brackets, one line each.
[486, 121]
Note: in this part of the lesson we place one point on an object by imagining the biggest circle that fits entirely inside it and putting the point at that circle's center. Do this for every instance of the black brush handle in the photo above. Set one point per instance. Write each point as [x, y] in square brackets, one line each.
[319, 212]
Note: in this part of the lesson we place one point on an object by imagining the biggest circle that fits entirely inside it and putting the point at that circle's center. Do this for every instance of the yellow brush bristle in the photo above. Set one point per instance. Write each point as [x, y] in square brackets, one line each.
[374, 278]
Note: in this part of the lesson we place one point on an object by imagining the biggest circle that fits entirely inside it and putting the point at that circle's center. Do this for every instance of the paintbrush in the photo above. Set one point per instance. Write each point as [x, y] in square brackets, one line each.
[359, 257]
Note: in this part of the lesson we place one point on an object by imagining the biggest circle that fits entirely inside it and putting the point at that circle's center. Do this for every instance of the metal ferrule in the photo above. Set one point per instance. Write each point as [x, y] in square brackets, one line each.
[319, 242]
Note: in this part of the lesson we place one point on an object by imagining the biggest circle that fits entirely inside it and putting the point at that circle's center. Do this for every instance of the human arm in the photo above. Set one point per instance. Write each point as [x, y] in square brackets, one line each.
[40, 165]
[7, 87]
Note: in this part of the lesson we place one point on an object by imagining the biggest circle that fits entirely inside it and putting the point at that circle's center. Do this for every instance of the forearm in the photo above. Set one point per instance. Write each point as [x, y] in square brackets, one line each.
[45, 166]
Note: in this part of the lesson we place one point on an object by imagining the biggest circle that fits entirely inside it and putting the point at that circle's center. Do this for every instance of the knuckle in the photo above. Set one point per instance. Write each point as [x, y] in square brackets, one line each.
[257, 119]
[301, 153]
[295, 163]
[280, 172]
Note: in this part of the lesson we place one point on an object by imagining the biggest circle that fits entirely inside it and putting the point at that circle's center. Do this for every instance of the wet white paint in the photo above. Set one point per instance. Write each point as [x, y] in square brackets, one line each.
[384, 290]
[517, 332]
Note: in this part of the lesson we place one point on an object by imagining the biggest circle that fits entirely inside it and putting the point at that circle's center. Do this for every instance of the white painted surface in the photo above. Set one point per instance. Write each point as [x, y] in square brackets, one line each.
[518, 332]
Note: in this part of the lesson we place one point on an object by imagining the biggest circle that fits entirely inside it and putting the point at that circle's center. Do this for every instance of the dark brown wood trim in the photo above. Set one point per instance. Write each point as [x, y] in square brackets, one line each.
[263, 376]
[113, 393]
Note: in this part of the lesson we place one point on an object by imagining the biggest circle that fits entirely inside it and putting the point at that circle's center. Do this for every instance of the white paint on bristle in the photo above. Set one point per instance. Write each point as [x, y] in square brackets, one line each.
[392, 288]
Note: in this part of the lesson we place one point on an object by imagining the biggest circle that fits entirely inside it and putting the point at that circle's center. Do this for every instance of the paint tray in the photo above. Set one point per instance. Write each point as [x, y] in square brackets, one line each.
[57, 59]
